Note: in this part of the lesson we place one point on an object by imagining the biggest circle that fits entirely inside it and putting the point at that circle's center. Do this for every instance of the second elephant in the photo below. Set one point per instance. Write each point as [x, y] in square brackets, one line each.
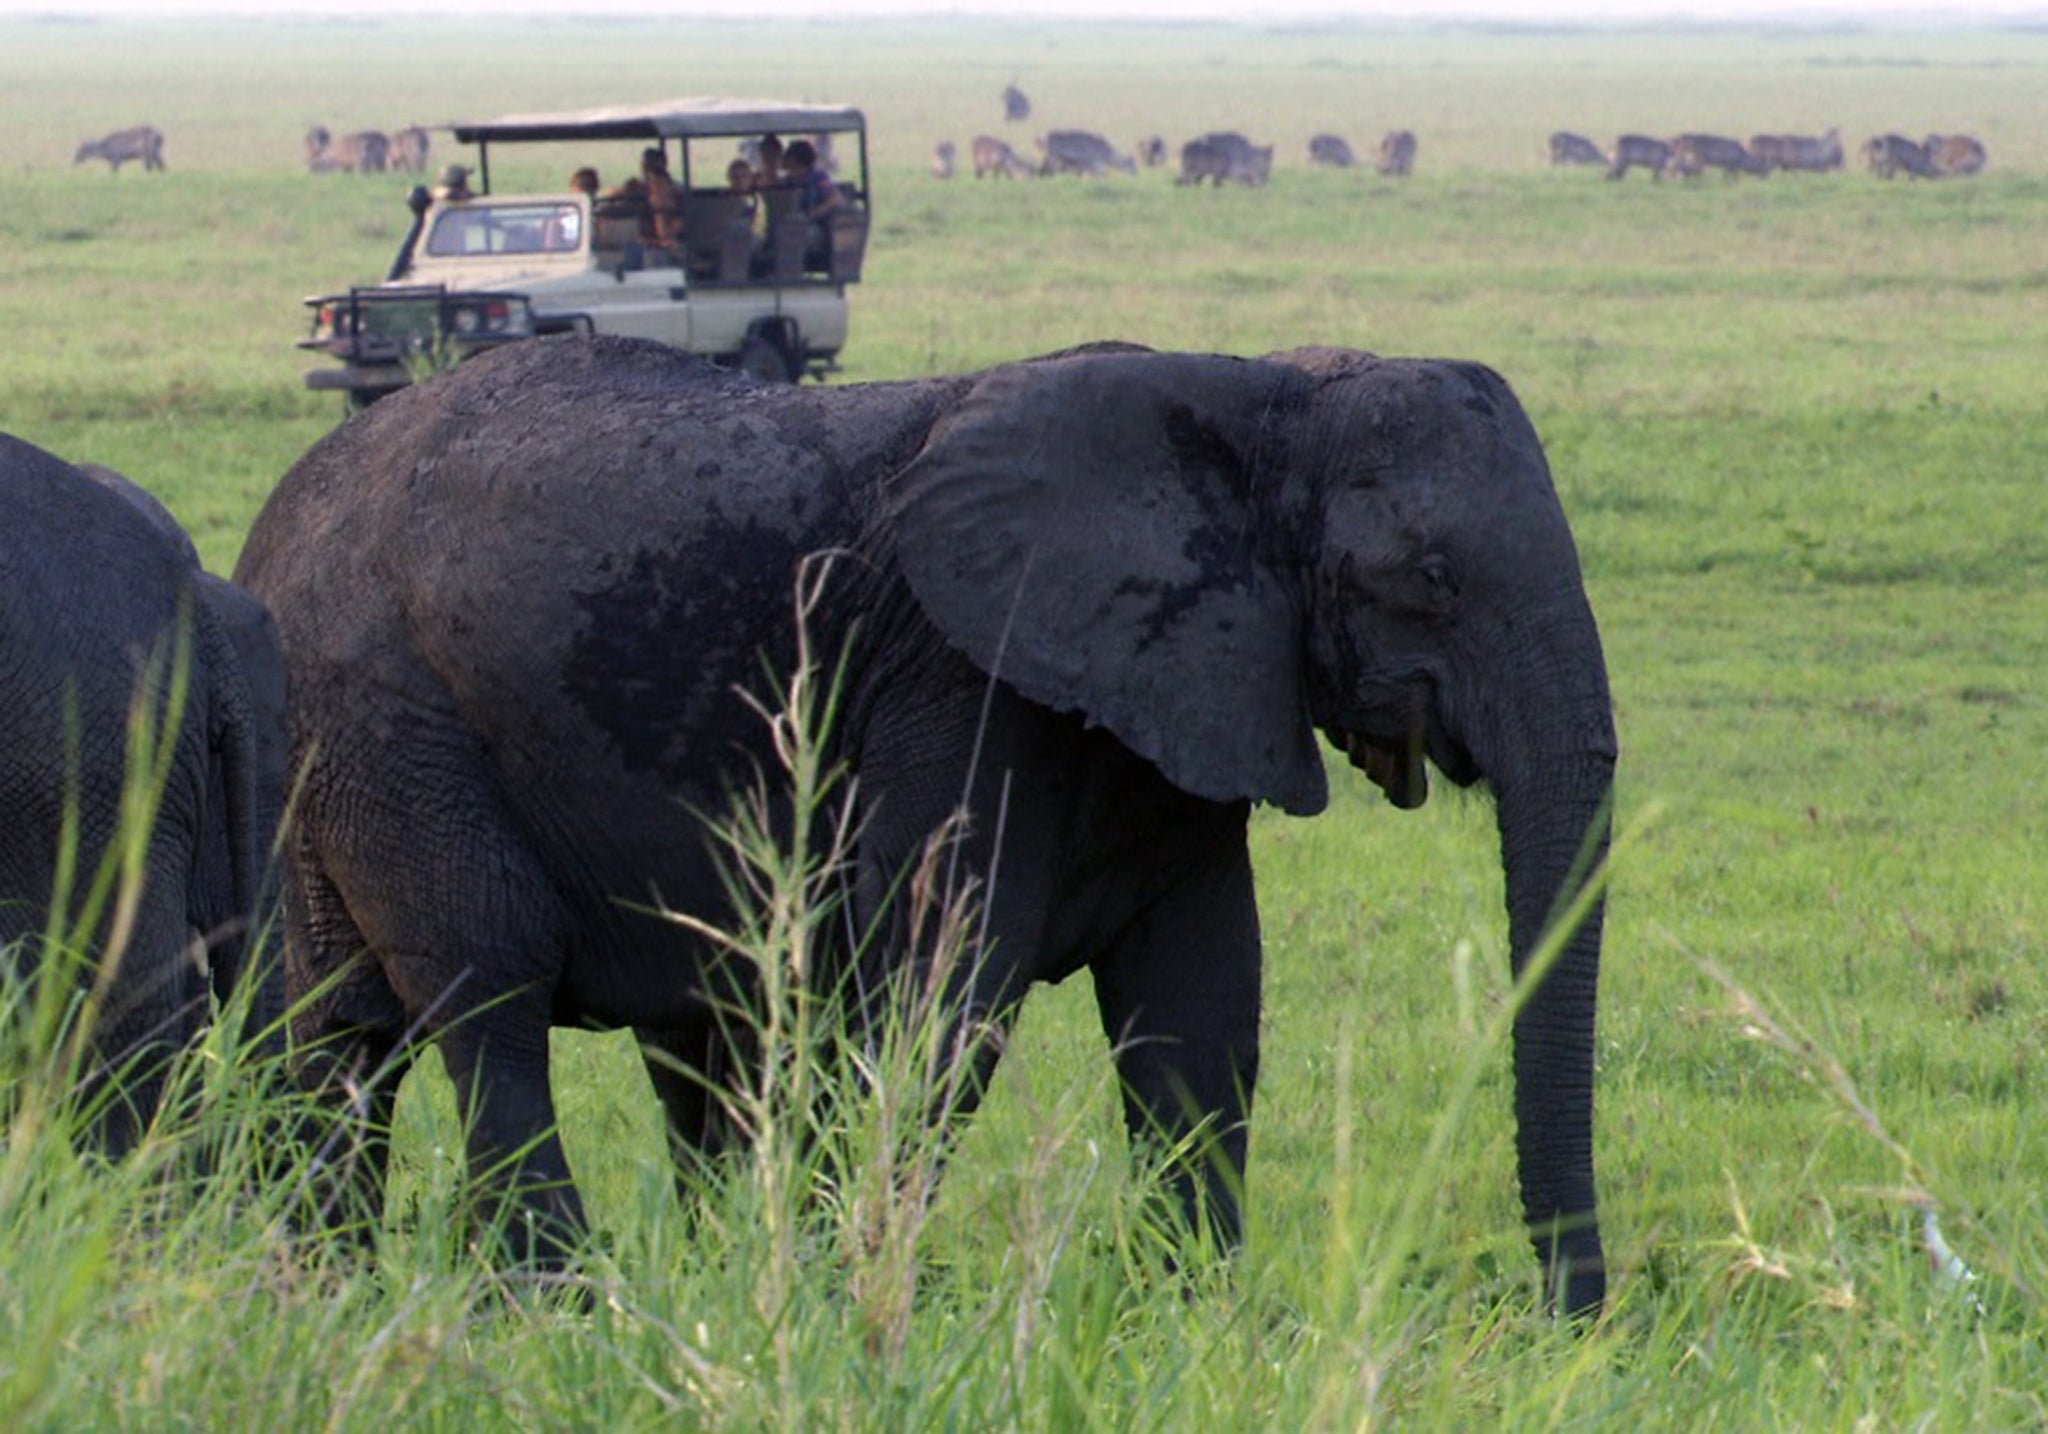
[1104, 600]
[98, 584]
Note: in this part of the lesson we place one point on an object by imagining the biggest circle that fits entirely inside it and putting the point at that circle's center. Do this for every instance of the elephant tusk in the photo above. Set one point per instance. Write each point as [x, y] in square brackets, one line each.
[1401, 773]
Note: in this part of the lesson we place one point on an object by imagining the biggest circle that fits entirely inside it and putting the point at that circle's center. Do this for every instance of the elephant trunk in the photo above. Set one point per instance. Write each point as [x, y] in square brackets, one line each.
[1553, 809]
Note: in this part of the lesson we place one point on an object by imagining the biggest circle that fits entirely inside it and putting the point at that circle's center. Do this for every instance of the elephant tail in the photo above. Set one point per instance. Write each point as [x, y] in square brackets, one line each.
[239, 646]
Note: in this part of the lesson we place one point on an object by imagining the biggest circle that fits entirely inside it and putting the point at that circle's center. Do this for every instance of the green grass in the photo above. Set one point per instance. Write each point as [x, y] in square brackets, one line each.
[1801, 430]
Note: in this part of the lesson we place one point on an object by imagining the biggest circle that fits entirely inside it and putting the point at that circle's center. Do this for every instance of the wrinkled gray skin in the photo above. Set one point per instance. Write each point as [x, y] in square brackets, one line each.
[1107, 598]
[95, 577]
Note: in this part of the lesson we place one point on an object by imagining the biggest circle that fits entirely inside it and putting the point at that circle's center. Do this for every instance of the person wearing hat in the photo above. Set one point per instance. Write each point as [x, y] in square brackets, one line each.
[453, 185]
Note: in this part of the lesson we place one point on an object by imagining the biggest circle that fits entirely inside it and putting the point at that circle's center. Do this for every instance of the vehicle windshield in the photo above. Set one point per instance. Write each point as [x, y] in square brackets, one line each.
[542, 228]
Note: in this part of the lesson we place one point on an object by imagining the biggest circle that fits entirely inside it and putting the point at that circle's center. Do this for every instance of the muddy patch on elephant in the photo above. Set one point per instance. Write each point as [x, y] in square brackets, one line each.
[671, 636]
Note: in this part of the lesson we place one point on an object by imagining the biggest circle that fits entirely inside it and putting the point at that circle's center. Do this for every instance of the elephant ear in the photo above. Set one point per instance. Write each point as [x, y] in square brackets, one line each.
[1092, 530]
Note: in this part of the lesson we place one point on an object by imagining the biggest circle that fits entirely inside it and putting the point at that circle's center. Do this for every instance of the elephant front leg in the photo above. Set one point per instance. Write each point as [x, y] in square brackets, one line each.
[1179, 999]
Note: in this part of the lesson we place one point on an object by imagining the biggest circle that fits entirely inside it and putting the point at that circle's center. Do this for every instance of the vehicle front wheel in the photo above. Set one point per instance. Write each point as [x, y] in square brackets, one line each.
[763, 360]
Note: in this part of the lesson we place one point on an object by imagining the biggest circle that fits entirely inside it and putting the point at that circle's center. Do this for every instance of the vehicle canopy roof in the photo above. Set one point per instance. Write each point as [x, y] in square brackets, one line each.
[687, 118]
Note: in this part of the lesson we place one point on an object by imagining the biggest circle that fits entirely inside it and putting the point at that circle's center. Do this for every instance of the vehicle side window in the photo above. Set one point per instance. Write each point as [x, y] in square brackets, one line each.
[453, 233]
[472, 229]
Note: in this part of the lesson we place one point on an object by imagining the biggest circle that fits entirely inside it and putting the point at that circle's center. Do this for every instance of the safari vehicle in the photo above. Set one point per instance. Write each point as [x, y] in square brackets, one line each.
[766, 294]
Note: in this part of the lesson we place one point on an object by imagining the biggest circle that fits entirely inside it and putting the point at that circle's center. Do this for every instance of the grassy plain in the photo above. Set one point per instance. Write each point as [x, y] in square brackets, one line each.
[1801, 430]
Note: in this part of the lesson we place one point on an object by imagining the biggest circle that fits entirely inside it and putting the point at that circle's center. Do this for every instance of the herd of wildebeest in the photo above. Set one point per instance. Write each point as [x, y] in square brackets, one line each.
[1227, 156]
[1221, 156]
[1217, 158]
[367, 151]
[1887, 156]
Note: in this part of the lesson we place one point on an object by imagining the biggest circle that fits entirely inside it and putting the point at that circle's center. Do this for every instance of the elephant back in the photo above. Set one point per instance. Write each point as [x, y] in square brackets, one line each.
[84, 564]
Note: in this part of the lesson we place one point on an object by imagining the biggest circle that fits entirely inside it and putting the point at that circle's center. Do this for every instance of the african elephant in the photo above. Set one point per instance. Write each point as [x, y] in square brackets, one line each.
[97, 581]
[1104, 599]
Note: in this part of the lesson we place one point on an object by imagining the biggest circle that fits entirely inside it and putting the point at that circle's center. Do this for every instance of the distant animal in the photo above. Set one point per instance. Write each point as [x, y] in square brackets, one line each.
[1397, 153]
[1954, 154]
[1890, 155]
[1016, 106]
[1225, 155]
[1152, 151]
[144, 142]
[364, 152]
[943, 157]
[1639, 151]
[1332, 150]
[1080, 151]
[1569, 148]
[408, 149]
[1694, 154]
[1797, 151]
[993, 156]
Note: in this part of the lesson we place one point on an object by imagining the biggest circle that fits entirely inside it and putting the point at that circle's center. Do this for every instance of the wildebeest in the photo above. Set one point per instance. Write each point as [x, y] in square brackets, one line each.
[143, 141]
[993, 156]
[1397, 153]
[1889, 155]
[1569, 148]
[1225, 155]
[1332, 150]
[1798, 151]
[1015, 105]
[1639, 151]
[1693, 154]
[1954, 154]
[1152, 151]
[943, 155]
[364, 152]
[1080, 151]
[408, 149]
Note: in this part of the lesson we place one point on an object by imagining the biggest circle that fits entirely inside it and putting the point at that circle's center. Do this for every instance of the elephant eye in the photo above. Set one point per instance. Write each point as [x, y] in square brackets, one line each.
[1439, 579]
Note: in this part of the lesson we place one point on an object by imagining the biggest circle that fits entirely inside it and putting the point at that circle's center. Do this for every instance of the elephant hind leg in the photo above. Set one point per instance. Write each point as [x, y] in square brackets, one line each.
[696, 1072]
[154, 1004]
[351, 1051]
[498, 1059]
[469, 936]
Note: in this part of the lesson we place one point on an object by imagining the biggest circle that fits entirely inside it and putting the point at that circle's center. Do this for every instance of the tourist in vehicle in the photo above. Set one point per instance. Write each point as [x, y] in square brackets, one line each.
[625, 201]
[816, 197]
[584, 181]
[743, 182]
[453, 185]
[768, 173]
[664, 223]
[741, 179]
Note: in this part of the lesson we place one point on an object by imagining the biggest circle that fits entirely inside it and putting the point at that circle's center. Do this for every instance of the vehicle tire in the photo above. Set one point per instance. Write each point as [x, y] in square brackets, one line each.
[763, 360]
[355, 400]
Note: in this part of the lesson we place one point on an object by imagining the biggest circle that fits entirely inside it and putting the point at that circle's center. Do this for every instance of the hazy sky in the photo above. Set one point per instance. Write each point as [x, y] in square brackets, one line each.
[1259, 11]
